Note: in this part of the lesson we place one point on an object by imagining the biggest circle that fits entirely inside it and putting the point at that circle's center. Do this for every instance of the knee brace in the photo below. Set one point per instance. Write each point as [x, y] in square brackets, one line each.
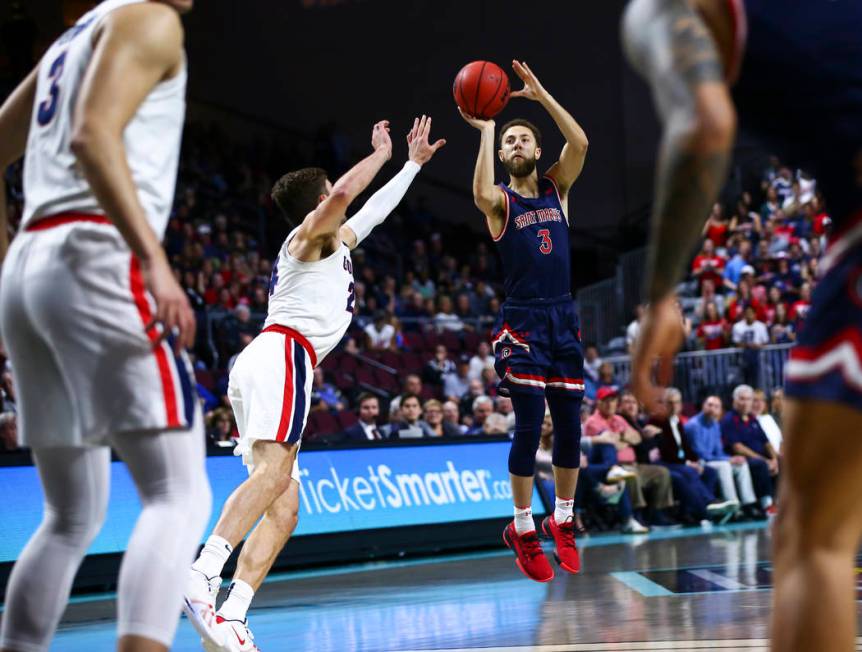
[566, 414]
[529, 414]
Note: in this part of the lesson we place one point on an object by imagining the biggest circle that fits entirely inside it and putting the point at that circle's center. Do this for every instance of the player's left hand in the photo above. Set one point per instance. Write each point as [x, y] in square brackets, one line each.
[533, 90]
[660, 337]
[419, 149]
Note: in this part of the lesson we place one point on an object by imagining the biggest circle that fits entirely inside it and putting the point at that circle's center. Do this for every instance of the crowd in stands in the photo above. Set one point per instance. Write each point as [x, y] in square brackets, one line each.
[751, 281]
[417, 363]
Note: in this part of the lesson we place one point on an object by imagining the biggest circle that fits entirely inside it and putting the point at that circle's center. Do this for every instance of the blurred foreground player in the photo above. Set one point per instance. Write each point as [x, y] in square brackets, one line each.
[804, 57]
[310, 308]
[95, 362]
[537, 341]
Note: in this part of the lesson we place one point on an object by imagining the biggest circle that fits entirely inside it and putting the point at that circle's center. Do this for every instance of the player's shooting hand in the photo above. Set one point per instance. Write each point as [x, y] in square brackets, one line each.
[172, 305]
[660, 337]
[533, 90]
[478, 123]
[380, 139]
[419, 149]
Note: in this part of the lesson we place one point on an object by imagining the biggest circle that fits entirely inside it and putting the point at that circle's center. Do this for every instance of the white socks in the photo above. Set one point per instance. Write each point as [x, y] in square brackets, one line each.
[213, 557]
[524, 520]
[563, 510]
[238, 600]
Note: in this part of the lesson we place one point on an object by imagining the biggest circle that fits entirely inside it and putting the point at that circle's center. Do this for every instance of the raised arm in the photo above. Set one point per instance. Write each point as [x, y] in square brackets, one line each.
[487, 196]
[323, 224]
[14, 129]
[136, 47]
[383, 202]
[669, 44]
[568, 168]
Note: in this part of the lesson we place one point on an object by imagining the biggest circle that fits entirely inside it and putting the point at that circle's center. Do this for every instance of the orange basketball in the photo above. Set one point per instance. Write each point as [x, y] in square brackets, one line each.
[481, 89]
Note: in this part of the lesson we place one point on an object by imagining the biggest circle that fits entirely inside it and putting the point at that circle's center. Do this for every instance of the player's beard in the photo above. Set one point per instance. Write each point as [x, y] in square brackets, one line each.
[520, 168]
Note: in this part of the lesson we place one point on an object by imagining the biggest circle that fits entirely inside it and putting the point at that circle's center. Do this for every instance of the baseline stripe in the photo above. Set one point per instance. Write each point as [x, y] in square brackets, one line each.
[287, 398]
[136, 283]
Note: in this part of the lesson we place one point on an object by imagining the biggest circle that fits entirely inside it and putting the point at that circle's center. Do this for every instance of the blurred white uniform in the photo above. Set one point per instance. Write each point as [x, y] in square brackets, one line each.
[73, 300]
[73, 311]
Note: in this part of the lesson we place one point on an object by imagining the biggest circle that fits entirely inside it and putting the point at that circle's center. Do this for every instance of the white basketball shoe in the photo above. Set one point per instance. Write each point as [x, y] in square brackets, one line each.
[236, 635]
[199, 606]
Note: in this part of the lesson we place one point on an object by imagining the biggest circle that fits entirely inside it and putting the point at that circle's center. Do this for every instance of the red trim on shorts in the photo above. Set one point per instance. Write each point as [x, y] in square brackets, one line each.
[527, 377]
[299, 337]
[69, 217]
[850, 334]
[573, 381]
[287, 397]
[136, 282]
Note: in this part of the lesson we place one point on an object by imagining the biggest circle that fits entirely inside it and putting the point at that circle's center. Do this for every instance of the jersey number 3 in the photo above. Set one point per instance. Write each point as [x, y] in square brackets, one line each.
[547, 245]
[48, 106]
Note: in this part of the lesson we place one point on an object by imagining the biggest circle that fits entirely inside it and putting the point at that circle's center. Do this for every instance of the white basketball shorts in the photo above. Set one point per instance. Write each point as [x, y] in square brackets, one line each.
[73, 311]
[270, 390]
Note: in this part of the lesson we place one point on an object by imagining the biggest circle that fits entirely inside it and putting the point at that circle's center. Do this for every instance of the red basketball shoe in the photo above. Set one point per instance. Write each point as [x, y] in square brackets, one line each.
[530, 556]
[565, 548]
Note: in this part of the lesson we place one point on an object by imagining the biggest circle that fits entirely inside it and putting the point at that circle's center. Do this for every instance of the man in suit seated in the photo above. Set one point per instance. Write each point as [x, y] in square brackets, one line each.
[366, 428]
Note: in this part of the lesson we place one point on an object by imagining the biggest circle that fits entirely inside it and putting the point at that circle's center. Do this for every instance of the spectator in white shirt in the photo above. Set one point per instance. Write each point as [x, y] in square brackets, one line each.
[379, 334]
[634, 328]
[446, 319]
[481, 361]
[750, 335]
[760, 409]
[592, 362]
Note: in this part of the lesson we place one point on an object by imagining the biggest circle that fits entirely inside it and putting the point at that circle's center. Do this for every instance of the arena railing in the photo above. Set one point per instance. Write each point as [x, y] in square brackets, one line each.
[698, 373]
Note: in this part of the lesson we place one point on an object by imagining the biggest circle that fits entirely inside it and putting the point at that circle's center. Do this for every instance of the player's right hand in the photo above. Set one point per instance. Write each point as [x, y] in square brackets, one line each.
[660, 337]
[173, 310]
[380, 138]
[419, 149]
[478, 123]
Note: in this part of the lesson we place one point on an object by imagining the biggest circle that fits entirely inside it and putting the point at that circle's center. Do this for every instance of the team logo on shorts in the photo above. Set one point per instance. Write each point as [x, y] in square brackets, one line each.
[506, 352]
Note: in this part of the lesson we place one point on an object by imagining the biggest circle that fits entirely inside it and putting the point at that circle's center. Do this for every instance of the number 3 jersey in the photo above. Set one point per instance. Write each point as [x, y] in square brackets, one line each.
[534, 244]
[315, 299]
[53, 180]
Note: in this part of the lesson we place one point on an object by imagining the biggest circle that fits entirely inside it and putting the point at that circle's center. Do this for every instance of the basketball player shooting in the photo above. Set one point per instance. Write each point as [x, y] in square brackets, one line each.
[310, 309]
[87, 306]
[537, 341]
[693, 54]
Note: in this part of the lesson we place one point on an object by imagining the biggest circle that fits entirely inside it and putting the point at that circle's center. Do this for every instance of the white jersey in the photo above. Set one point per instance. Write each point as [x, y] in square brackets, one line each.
[53, 182]
[315, 299]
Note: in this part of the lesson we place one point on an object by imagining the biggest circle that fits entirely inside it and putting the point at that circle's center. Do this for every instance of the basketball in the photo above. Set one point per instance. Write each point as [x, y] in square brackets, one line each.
[481, 89]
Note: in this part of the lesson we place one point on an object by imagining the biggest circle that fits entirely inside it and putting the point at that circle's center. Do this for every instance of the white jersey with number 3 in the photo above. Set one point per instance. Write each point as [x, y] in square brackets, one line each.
[313, 298]
[53, 180]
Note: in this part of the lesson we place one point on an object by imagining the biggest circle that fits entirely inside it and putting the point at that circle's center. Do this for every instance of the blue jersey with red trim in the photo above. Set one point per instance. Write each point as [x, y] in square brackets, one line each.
[800, 90]
[534, 244]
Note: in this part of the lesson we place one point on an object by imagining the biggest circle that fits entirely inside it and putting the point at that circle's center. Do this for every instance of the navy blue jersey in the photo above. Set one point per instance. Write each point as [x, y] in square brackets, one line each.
[799, 90]
[534, 244]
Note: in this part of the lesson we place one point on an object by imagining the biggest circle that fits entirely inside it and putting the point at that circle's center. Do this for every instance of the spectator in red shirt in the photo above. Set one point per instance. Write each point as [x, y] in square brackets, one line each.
[800, 307]
[717, 226]
[736, 309]
[712, 332]
[708, 265]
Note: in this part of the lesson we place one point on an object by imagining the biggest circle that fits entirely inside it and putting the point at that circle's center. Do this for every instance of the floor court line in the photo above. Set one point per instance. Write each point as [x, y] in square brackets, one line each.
[595, 541]
[750, 645]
